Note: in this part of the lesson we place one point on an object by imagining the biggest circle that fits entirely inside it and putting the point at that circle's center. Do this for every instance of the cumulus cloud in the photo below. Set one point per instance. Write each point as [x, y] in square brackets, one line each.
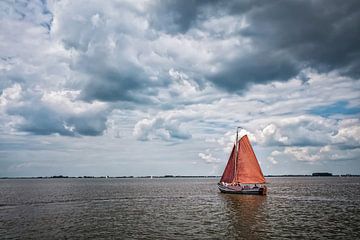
[208, 158]
[324, 140]
[307, 130]
[107, 40]
[348, 134]
[314, 154]
[302, 130]
[53, 112]
[164, 126]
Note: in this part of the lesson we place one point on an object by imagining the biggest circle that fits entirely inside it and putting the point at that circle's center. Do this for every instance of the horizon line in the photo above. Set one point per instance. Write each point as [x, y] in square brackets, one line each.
[176, 176]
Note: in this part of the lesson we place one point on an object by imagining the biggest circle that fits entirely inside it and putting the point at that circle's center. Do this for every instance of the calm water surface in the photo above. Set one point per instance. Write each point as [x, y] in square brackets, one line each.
[295, 208]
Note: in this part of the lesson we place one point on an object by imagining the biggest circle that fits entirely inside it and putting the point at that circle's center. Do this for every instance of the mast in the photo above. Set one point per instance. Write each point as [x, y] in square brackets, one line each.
[236, 149]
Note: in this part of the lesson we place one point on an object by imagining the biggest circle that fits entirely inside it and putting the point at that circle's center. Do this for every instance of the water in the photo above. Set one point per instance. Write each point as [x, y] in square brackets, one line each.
[302, 208]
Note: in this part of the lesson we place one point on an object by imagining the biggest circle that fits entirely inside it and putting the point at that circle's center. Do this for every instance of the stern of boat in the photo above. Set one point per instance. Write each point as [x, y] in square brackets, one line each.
[263, 190]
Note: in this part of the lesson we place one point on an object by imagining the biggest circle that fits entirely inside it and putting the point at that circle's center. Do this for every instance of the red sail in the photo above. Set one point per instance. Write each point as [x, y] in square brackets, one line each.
[229, 172]
[247, 166]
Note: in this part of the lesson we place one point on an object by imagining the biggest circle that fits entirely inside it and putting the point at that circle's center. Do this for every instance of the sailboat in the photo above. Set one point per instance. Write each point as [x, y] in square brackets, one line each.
[242, 174]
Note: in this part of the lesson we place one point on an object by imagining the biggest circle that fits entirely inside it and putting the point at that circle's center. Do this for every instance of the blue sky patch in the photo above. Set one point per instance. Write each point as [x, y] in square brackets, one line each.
[339, 107]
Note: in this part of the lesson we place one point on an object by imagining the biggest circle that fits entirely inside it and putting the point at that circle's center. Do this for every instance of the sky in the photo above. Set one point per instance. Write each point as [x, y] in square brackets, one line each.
[158, 87]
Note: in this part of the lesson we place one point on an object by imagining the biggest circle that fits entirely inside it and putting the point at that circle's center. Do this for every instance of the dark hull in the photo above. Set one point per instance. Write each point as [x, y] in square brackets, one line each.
[239, 190]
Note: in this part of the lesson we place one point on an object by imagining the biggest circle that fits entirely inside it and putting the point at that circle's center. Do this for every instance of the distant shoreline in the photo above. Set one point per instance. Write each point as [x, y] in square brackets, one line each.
[169, 176]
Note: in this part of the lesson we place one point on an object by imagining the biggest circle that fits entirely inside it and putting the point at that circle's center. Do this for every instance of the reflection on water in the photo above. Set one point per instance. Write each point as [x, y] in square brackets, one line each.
[303, 208]
[246, 215]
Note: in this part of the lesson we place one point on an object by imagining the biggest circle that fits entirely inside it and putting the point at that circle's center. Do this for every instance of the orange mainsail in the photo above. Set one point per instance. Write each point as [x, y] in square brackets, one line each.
[244, 169]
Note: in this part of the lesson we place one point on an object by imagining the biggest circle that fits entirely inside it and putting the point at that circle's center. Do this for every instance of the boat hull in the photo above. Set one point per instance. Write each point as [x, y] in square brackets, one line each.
[240, 190]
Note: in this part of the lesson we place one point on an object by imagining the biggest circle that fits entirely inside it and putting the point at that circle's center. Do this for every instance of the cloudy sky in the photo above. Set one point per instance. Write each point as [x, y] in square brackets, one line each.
[159, 87]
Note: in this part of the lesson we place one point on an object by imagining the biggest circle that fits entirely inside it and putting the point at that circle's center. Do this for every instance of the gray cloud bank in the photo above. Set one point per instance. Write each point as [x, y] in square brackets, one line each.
[168, 66]
[283, 37]
[126, 50]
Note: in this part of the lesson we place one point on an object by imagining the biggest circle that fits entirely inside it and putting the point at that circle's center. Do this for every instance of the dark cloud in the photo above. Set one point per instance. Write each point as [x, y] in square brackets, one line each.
[111, 74]
[42, 118]
[256, 68]
[286, 37]
[45, 122]
[114, 84]
[108, 82]
[178, 16]
[319, 34]
[283, 37]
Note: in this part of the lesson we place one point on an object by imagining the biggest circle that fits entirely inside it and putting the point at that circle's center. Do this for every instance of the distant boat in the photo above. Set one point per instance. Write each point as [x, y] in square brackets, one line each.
[242, 174]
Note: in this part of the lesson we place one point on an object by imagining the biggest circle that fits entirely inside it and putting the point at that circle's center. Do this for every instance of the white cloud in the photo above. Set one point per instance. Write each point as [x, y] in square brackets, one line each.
[164, 126]
[54, 112]
[314, 154]
[348, 133]
[296, 130]
[208, 158]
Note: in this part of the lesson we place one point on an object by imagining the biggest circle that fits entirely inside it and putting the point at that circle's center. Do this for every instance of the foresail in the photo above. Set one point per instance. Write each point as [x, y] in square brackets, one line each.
[229, 172]
[248, 168]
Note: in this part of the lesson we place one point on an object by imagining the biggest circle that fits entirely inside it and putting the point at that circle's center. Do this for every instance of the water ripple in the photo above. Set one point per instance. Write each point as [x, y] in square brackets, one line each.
[303, 208]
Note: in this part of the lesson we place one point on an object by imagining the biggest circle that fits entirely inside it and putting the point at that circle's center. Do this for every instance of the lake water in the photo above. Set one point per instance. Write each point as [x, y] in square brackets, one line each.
[295, 208]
